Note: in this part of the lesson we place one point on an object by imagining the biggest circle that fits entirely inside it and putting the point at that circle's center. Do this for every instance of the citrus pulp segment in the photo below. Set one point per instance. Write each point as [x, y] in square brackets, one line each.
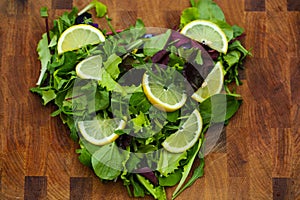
[186, 136]
[213, 84]
[207, 33]
[168, 98]
[78, 36]
[100, 132]
[90, 68]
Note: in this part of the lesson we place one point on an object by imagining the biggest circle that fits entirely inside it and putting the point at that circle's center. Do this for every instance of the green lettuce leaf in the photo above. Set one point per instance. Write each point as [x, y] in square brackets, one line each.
[107, 162]
[169, 162]
[44, 56]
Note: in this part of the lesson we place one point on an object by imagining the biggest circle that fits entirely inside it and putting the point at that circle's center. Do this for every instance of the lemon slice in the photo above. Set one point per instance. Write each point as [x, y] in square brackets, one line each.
[163, 94]
[212, 85]
[186, 136]
[100, 132]
[78, 36]
[207, 33]
[90, 68]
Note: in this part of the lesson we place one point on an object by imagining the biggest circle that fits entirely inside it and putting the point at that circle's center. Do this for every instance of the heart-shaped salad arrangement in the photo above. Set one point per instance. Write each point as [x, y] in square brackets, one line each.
[141, 101]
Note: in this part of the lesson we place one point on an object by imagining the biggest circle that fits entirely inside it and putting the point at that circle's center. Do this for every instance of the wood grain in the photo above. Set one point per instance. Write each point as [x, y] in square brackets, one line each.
[257, 156]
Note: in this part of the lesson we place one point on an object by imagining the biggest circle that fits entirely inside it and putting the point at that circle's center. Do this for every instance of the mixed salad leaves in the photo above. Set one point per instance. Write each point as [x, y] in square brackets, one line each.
[140, 162]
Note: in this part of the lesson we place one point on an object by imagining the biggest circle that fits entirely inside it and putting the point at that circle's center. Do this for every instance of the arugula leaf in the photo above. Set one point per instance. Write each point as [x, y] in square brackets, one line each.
[44, 56]
[236, 45]
[138, 190]
[187, 169]
[157, 192]
[198, 172]
[232, 58]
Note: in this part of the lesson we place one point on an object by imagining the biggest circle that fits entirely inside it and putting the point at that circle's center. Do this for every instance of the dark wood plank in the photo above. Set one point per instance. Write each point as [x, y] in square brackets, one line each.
[257, 5]
[62, 4]
[35, 188]
[293, 5]
[276, 5]
[281, 189]
[80, 188]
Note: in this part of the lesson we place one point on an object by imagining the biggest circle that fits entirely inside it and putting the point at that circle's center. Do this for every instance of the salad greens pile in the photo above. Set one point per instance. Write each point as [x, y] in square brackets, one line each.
[140, 162]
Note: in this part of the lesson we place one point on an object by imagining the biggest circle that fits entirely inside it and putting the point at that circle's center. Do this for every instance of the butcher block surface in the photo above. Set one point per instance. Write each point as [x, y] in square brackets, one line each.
[257, 156]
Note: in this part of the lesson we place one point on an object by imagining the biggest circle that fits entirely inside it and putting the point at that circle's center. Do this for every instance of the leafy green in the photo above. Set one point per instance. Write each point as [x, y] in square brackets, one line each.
[157, 192]
[138, 190]
[139, 144]
[171, 179]
[107, 162]
[169, 162]
[111, 65]
[187, 168]
[219, 108]
[44, 12]
[198, 173]
[100, 8]
[44, 56]
[188, 15]
[48, 96]
[157, 43]
[201, 9]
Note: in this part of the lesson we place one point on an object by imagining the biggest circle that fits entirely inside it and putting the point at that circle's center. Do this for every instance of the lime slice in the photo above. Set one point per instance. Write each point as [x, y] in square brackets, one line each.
[212, 85]
[100, 132]
[207, 33]
[90, 68]
[164, 94]
[78, 36]
[186, 136]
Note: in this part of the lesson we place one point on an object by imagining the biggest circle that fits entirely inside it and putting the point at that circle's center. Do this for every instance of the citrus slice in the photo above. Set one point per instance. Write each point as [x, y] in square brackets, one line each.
[90, 68]
[186, 136]
[213, 84]
[163, 94]
[78, 36]
[100, 132]
[207, 33]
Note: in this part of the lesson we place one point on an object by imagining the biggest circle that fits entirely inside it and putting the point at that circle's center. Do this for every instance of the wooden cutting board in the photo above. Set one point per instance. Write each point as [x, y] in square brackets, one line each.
[257, 157]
